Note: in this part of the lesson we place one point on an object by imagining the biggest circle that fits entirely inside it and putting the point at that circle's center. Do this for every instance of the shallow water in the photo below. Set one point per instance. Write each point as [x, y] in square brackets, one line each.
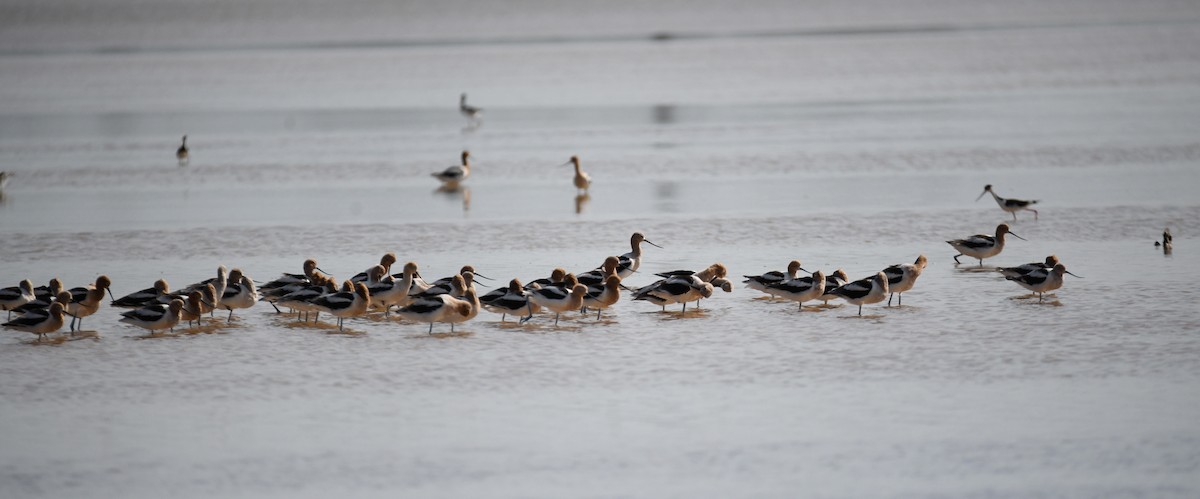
[844, 136]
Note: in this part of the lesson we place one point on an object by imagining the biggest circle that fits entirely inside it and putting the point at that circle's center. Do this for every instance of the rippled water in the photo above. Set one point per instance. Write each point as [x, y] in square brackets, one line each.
[852, 136]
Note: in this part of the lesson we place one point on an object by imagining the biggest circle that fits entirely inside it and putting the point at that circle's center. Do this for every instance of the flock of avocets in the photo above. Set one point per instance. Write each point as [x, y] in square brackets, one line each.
[454, 299]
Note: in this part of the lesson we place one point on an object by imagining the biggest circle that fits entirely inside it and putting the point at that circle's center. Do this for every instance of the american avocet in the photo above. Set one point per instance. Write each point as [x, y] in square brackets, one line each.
[238, 295]
[511, 300]
[557, 299]
[219, 282]
[722, 284]
[155, 317]
[864, 291]
[629, 262]
[833, 281]
[15, 296]
[708, 274]
[392, 291]
[208, 300]
[1041, 281]
[801, 289]
[41, 305]
[471, 113]
[86, 301]
[763, 282]
[568, 282]
[597, 276]
[445, 281]
[437, 308]
[49, 291]
[345, 304]
[604, 297]
[582, 179]
[715, 274]
[302, 300]
[714, 271]
[40, 325]
[458, 314]
[455, 286]
[902, 277]
[1023, 269]
[310, 267]
[194, 309]
[144, 297]
[181, 154]
[678, 289]
[387, 260]
[1008, 204]
[982, 246]
[456, 173]
[374, 275]
[275, 294]
[556, 278]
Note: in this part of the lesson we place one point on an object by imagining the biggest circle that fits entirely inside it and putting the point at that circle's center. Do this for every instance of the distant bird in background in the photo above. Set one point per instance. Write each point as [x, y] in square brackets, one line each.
[181, 154]
[1166, 240]
[1008, 204]
[582, 179]
[457, 173]
[471, 113]
[4, 179]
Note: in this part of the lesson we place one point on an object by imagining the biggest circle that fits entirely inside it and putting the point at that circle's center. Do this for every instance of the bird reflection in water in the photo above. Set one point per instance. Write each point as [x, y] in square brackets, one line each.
[455, 191]
[581, 201]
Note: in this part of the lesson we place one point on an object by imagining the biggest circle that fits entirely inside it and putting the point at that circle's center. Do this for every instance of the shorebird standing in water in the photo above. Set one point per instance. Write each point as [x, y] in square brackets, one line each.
[801, 289]
[902, 277]
[982, 245]
[556, 299]
[864, 291]
[16, 296]
[441, 308]
[155, 317]
[451, 176]
[40, 325]
[181, 154]
[1041, 281]
[1008, 204]
[629, 262]
[1023, 269]
[471, 113]
[582, 179]
[85, 300]
[765, 281]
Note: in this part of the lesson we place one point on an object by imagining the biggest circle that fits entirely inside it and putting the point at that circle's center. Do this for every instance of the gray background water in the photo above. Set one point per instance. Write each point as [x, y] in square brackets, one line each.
[852, 135]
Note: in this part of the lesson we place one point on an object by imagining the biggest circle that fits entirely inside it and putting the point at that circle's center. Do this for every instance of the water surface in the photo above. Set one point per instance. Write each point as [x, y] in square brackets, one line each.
[846, 136]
